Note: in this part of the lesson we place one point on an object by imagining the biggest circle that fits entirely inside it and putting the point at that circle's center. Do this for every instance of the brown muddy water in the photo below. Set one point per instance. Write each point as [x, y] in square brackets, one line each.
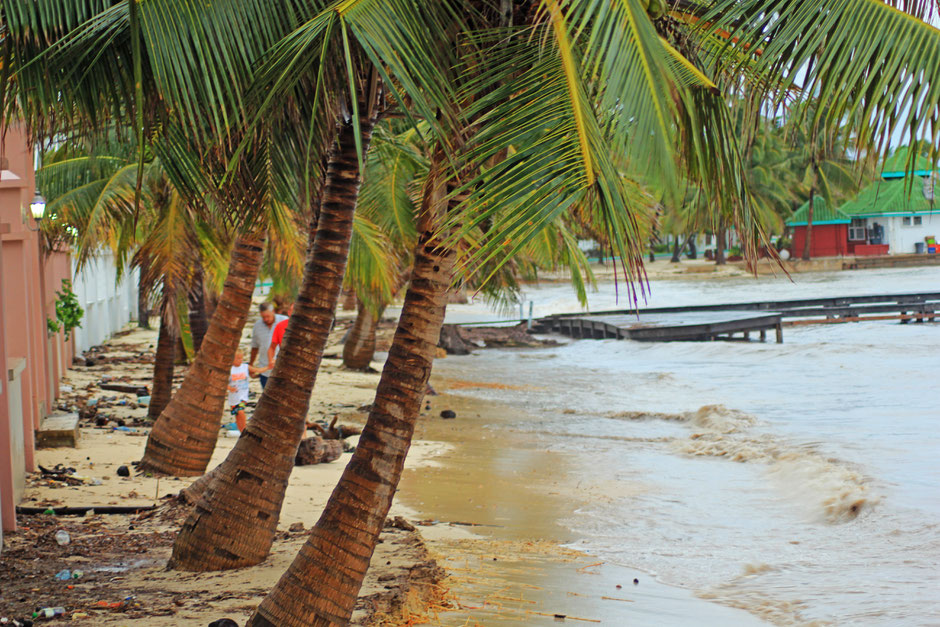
[514, 561]
[787, 484]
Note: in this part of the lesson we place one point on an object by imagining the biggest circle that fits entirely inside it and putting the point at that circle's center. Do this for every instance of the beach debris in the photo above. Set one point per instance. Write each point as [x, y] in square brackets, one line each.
[452, 340]
[334, 431]
[636, 582]
[83, 510]
[123, 471]
[62, 537]
[139, 390]
[561, 617]
[143, 401]
[233, 433]
[317, 450]
[49, 612]
[223, 622]
[448, 414]
[64, 575]
[297, 527]
[399, 523]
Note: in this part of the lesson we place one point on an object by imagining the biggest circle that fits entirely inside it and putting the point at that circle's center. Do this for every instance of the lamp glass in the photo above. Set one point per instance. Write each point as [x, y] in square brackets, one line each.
[38, 206]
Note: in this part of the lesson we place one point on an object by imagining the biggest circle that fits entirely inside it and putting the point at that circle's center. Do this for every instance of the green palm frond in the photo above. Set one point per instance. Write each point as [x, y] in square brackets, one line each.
[872, 66]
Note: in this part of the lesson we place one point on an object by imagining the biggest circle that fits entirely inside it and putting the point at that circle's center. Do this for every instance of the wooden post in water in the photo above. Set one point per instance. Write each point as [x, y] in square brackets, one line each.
[779, 333]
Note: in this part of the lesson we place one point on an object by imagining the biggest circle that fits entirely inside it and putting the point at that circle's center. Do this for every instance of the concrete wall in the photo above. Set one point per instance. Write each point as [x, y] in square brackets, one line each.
[108, 307]
[901, 238]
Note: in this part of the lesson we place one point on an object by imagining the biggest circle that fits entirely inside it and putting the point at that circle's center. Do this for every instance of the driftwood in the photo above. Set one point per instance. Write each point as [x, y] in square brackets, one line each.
[453, 341]
[139, 390]
[316, 450]
[335, 431]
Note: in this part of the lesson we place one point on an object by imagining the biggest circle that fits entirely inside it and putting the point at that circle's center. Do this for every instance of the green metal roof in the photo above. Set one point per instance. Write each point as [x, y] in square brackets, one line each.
[898, 164]
[889, 198]
[822, 214]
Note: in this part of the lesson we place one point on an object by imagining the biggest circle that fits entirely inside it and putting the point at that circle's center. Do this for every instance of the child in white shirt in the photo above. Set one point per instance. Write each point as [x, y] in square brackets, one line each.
[238, 389]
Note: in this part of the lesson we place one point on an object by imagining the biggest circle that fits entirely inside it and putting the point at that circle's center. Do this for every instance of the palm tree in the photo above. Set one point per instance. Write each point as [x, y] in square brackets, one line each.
[821, 161]
[91, 193]
[380, 252]
[321, 585]
[125, 50]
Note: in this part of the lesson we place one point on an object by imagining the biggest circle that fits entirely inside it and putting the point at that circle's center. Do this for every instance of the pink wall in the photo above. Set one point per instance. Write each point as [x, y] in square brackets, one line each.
[29, 278]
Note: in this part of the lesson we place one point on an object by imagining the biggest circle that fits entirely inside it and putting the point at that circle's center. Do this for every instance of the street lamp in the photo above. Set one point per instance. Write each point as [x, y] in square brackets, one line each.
[37, 206]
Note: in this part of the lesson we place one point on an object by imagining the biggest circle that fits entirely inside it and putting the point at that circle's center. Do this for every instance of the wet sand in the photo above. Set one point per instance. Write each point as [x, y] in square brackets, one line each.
[517, 562]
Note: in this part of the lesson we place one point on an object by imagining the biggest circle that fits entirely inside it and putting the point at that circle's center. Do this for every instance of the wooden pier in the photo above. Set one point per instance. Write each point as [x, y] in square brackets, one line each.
[731, 321]
[668, 327]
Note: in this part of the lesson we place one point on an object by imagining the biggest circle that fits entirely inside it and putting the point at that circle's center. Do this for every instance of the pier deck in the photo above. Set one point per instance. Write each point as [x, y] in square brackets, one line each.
[668, 327]
[727, 321]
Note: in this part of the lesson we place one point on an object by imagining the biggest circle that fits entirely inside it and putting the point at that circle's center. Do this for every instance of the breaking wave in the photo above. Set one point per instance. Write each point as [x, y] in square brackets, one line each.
[831, 489]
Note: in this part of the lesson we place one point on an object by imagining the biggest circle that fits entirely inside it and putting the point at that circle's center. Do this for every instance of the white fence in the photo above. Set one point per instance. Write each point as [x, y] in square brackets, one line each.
[108, 306]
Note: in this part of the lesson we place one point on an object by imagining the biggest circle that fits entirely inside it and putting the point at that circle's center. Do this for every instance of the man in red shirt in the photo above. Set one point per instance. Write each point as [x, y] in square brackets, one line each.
[277, 336]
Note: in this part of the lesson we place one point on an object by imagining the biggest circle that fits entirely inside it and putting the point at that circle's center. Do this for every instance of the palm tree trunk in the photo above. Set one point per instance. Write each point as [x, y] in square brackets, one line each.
[360, 344]
[322, 583]
[198, 317]
[807, 243]
[233, 524]
[720, 245]
[676, 251]
[162, 388]
[143, 302]
[184, 436]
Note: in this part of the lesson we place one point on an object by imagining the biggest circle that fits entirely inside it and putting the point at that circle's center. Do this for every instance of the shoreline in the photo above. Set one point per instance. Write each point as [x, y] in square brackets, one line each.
[518, 560]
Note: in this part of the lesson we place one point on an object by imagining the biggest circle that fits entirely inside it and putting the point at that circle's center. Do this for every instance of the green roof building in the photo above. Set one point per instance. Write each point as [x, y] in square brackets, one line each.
[898, 214]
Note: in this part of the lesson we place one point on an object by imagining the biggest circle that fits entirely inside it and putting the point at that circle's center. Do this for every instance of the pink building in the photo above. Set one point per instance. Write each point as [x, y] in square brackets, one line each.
[31, 361]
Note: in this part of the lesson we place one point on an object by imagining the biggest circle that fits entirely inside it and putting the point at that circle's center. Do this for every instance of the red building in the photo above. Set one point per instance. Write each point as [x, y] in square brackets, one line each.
[830, 236]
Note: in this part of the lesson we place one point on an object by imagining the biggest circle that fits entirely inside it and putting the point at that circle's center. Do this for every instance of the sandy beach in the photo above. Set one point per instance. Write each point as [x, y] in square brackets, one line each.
[122, 557]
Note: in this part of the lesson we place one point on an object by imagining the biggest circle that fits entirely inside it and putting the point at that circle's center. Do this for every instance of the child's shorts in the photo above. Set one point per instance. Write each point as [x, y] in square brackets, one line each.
[239, 407]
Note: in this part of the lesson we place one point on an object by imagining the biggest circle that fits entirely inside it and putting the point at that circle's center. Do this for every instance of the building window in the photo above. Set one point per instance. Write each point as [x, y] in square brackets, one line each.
[857, 230]
[906, 221]
[918, 220]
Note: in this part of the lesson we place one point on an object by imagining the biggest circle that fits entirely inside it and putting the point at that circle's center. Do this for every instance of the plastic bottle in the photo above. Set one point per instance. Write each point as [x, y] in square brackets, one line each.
[64, 575]
[62, 537]
[49, 612]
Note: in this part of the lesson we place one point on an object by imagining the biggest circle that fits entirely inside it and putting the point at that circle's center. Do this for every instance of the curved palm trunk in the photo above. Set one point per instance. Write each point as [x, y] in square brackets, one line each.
[322, 583]
[162, 388]
[360, 345]
[198, 317]
[184, 436]
[234, 522]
